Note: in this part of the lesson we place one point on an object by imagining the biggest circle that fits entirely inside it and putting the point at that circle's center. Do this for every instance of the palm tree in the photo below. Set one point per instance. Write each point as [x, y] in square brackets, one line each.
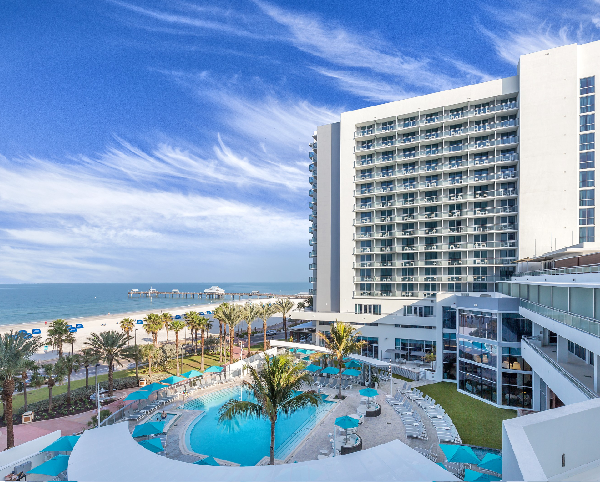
[58, 334]
[149, 352]
[342, 341]
[205, 325]
[177, 326]
[285, 305]
[110, 346]
[127, 325]
[167, 318]
[233, 316]
[266, 311]
[72, 365]
[15, 353]
[218, 315]
[253, 312]
[134, 354]
[88, 357]
[153, 323]
[276, 389]
[53, 373]
[191, 321]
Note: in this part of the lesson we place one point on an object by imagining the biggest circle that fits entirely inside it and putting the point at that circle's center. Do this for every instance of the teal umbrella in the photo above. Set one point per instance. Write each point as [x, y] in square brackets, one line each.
[148, 428]
[491, 462]
[172, 380]
[351, 372]
[52, 467]
[152, 444]
[306, 358]
[154, 387]
[459, 454]
[472, 476]
[210, 460]
[63, 444]
[214, 369]
[331, 371]
[139, 395]
[369, 392]
[345, 423]
[192, 374]
[353, 364]
[313, 368]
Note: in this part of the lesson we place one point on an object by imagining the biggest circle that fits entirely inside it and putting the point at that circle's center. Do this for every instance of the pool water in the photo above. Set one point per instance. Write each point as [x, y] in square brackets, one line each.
[157, 417]
[247, 441]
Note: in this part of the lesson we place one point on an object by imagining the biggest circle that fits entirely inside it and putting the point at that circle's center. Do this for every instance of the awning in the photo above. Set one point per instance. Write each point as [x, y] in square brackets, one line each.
[418, 353]
[400, 352]
[365, 360]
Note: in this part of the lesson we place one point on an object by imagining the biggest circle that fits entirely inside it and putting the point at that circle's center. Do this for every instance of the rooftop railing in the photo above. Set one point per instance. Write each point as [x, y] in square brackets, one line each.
[583, 323]
[560, 271]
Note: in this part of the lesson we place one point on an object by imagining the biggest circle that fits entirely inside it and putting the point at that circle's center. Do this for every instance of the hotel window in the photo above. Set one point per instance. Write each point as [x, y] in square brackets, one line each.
[478, 324]
[514, 327]
[586, 160]
[455, 161]
[430, 271]
[516, 389]
[587, 104]
[586, 85]
[387, 141]
[477, 380]
[454, 287]
[431, 165]
[387, 156]
[366, 144]
[409, 122]
[586, 179]
[387, 171]
[387, 126]
[586, 216]
[408, 152]
[586, 197]
[586, 235]
[368, 159]
[456, 145]
[449, 317]
[586, 122]
[586, 141]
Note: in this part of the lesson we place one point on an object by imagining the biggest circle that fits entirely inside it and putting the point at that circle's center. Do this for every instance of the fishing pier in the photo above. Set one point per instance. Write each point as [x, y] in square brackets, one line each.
[210, 296]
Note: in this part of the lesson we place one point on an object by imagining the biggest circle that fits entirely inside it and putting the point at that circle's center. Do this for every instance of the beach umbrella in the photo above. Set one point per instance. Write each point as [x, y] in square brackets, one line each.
[148, 428]
[214, 369]
[306, 358]
[36, 331]
[459, 454]
[140, 322]
[353, 364]
[78, 325]
[210, 460]
[313, 368]
[139, 395]
[172, 380]
[152, 444]
[331, 371]
[351, 372]
[63, 444]
[491, 462]
[52, 467]
[472, 476]
[192, 374]
[345, 423]
[369, 392]
[154, 387]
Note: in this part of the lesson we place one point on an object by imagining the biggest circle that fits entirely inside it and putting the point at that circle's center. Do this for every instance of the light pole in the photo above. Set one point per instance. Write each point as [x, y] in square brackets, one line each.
[136, 357]
[98, 394]
[391, 381]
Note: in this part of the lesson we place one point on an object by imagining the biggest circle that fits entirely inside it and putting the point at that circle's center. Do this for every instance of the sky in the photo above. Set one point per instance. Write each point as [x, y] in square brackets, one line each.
[168, 140]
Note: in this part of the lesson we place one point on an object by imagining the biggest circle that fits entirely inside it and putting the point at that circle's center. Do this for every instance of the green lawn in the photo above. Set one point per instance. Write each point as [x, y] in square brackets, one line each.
[402, 378]
[478, 423]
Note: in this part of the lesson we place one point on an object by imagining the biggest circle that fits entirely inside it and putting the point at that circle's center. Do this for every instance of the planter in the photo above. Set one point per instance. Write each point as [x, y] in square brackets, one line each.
[349, 450]
[374, 411]
[27, 417]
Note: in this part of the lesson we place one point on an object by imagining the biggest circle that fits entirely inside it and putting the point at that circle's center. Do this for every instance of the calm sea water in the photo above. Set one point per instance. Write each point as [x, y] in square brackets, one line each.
[20, 303]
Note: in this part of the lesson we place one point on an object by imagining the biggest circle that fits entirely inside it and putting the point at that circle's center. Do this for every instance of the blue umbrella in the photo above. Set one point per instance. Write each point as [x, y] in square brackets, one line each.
[153, 387]
[472, 476]
[36, 331]
[152, 444]
[491, 462]
[140, 322]
[313, 368]
[148, 428]
[353, 364]
[214, 369]
[52, 467]
[139, 395]
[210, 460]
[346, 422]
[331, 371]
[351, 372]
[192, 374]
[369, 392]
[78, 325]
[172, 380]
[209, 312]
[459, 454]
[63, 444]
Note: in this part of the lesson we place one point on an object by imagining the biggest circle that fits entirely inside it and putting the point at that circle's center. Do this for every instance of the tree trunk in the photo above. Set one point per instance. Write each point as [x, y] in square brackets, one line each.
[150, 366]
[7, 393]
[87, 369]
[202, 351]
[110, 376]
[231, 334]
[249, 336]
[60, 350]
[272, 451]
[69, 388]
[50, 386]
[24, 376]
[195, 341]
[285, 327]
[340, 361]
[264, 335]
[220, 342]
[177, 350]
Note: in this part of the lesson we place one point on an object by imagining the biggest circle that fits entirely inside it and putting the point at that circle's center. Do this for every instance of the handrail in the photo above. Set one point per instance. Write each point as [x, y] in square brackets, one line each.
[560, 271]
[579, 322]
[580, 386]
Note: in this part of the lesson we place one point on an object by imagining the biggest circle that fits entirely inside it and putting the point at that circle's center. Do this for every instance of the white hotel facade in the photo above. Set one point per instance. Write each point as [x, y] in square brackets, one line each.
[421, 209]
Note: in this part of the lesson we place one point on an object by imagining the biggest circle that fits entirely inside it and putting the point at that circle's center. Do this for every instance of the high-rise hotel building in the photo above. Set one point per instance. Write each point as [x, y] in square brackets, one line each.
[421, 207]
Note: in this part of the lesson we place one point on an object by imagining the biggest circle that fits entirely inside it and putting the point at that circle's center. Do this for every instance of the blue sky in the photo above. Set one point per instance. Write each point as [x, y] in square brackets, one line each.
[155, 140]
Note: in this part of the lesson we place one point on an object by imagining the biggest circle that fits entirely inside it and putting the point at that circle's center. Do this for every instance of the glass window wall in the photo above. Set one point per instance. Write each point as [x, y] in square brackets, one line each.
[478, 324]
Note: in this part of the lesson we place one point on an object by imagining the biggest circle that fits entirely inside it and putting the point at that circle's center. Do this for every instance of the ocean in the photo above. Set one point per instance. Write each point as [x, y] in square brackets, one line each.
[22, 303]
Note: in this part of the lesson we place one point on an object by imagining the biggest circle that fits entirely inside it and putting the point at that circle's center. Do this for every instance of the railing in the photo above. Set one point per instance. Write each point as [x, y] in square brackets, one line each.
[583, 323]
[559, 271]
[580, 386]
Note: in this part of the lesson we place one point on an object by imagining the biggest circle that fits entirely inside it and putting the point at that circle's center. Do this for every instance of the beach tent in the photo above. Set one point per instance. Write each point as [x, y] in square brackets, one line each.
[331, 371]
[210, 460]
[140, 322]
[154, 387]
[63, 444]
[192, 374]
[52, 467]
[491, 462]
[148, 428]
[139, 395]
[214, 369]
[172, 380]
[459, 454]
[152, 444]
[472, 476]
[351, 372]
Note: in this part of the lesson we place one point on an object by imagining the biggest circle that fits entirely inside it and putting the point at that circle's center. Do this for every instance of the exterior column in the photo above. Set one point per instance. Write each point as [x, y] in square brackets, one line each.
[535, 390]
[545, 336]
[562, 349]
[596, 373]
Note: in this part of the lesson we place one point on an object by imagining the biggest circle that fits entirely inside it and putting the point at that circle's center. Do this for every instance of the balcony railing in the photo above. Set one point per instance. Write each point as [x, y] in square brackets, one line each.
[580, 386]
[583, 323]
[561, 271]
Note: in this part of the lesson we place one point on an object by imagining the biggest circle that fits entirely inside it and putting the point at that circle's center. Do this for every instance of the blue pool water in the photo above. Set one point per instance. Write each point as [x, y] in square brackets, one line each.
[246, 441]
[157, 417]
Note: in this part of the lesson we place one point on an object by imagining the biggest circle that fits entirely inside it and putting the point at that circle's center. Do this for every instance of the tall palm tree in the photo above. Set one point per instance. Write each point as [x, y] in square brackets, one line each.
[134, 353]
[110, 347]
[149, 352]
[15, 353]
[233, 316]
[167, 319]
[191, 321]
[253, 312]
[285, 305]
[53, 373]
[276, 388]
[127, 325]
[72, 365]
[88, 358]
[153, 323]
[266, 311]
[218, 315]
[177, 326]
[28, 365]
[58, 335]
[342, 341]
[205, 325]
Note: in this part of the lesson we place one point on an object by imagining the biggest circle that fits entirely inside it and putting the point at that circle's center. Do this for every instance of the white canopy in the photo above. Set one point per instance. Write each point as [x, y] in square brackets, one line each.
[305, 346]
[110, 453]
[370, 361]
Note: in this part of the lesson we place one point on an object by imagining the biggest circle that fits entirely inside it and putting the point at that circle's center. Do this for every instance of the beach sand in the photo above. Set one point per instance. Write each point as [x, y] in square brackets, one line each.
[97, 324]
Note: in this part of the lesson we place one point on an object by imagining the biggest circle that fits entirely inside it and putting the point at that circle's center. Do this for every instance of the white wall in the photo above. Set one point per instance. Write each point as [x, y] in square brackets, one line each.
[26, 451]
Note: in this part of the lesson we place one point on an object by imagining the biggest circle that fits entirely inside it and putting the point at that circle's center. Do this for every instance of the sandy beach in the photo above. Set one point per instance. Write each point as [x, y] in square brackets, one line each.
[110, 321]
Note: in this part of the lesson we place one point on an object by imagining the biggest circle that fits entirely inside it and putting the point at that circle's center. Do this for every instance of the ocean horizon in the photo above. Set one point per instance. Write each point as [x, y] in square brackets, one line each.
[24, 303]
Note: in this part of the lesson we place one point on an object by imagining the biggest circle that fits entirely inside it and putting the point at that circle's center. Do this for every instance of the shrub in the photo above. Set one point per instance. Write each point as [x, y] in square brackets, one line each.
[104, 414]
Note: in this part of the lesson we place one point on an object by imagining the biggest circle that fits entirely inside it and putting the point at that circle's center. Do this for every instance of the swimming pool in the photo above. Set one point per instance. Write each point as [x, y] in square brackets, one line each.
[157, 417]
[246, 441]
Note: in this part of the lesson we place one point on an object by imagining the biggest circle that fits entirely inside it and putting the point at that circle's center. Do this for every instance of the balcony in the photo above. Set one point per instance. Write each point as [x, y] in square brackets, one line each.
[312, 266]
[588, 325]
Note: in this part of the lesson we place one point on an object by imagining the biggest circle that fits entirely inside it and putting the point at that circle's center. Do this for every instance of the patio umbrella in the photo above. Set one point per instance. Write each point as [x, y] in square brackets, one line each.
[148, 428]
[172, 380]
[353, 364]
[313, 368]
[153, 387]
[306, 358]
[459, 454]
[491, 462]
[471, 476]
[214, 369]
[345, 423]
[369, 392]
[52, 467]
[192, 374]
[139, 395]
[331, 371]
[152, 444]
[210, 460]
[63, 444]
[351, 372]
